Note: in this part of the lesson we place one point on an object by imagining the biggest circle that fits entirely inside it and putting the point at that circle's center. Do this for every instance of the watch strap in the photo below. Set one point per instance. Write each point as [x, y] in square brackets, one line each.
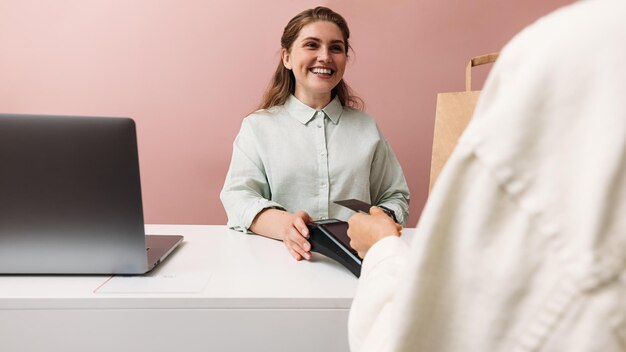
[389, 213]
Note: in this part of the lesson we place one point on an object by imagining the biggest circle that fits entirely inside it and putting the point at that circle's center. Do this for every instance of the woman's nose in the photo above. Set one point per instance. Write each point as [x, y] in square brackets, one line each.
[324, 55]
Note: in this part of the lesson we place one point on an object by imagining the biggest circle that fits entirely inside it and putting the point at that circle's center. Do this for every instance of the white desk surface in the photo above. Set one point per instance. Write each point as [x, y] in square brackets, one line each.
[246, 293]
[240, 271]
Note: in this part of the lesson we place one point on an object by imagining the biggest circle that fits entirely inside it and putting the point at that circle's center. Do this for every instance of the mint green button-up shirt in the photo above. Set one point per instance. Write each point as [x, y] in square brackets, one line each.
[294, 158]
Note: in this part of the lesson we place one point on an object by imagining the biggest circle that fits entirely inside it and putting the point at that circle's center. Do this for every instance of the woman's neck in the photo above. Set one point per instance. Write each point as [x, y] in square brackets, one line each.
[314, 101]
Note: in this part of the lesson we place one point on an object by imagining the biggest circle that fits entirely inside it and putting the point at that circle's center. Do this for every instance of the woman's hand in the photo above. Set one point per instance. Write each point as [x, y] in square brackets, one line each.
[295, 234]
[287, 227]
[365, 230]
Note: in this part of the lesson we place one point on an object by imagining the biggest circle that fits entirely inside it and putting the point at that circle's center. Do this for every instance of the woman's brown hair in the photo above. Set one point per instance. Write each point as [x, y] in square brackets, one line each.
[283, 82]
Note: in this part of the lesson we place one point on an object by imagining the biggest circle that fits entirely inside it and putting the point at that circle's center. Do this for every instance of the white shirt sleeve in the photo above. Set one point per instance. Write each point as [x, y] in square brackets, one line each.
[387, 184]
[522, 243]
[246, 191]
[441, 293]
[370, 322]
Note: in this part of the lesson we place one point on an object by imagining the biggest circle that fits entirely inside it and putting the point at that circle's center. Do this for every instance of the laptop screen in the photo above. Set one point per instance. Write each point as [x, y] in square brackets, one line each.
[71, 195]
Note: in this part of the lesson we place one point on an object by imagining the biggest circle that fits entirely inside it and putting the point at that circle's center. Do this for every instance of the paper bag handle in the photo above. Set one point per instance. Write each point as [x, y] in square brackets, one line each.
[477, 61]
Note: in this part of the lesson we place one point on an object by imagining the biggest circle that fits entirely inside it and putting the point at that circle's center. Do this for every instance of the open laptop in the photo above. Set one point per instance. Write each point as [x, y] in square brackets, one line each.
[70, 198]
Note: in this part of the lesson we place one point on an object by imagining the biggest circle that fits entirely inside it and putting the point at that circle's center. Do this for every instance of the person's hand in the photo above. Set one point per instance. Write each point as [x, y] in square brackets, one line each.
[287, 227]
[365, 230]
[294, 234]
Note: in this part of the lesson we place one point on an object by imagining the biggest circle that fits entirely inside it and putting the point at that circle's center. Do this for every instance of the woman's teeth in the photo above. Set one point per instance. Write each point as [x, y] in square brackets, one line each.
[325, 71]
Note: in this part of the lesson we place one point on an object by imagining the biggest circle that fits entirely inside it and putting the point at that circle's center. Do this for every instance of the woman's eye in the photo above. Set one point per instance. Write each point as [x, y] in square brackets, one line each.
[337, 49]
[310, 45]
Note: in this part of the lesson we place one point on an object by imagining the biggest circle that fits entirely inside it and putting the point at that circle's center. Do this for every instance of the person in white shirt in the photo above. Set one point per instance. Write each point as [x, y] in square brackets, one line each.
[309, 145]
[522, 243]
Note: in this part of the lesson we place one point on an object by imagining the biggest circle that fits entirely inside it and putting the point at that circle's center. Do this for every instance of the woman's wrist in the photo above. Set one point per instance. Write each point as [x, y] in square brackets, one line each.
[390, 213]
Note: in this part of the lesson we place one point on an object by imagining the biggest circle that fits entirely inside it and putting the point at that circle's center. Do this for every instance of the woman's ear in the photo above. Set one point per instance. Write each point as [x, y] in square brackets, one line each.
[285, 56]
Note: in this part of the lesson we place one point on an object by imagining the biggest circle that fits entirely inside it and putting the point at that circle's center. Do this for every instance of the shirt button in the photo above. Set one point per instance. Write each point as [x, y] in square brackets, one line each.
[319, 125]
[323, 153]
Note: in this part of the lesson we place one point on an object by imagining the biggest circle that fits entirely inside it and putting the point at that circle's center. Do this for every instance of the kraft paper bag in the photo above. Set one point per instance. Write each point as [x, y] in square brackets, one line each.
[454, 111]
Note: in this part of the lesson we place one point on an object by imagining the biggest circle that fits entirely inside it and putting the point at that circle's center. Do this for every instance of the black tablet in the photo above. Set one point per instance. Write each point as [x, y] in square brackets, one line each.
[330, 237]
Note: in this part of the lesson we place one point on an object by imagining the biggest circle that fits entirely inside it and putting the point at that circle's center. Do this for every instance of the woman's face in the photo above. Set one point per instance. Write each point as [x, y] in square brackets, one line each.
[317, 59]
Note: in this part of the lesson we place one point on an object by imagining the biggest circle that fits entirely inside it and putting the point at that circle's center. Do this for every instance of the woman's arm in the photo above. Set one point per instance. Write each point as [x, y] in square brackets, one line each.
[287, 227]
[246, 199]
[388, 186]
[246, 191]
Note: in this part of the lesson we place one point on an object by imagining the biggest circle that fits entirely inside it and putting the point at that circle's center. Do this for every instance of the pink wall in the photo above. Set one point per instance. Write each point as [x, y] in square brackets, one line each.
[189, 71]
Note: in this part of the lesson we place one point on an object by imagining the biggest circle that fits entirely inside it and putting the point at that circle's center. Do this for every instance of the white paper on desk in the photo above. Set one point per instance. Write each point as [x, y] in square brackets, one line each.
[156, 283]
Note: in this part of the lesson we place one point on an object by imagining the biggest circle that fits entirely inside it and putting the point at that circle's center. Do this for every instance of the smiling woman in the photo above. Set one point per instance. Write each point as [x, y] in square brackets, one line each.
[318, 61]
[284, 80]
[309, 145]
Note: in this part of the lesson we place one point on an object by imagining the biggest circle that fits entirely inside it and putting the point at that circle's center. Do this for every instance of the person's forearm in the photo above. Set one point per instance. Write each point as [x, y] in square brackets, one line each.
[270, 222]
[371, 324]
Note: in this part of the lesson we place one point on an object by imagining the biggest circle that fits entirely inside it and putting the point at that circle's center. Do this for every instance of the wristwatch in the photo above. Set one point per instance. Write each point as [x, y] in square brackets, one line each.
[389, 213]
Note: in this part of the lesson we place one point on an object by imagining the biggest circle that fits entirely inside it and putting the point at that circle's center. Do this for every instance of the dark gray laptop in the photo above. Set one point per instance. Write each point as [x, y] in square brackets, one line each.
[70, 198]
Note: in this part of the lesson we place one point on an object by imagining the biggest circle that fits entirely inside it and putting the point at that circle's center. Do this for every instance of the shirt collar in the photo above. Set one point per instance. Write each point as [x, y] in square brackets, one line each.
[305, 113]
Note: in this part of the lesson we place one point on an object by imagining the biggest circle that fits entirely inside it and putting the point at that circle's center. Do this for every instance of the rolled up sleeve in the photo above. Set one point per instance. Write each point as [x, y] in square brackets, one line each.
[246, 191]
[388, 185]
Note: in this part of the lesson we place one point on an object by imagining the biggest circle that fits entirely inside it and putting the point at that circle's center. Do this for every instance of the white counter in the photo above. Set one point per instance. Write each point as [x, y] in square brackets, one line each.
[219, 291]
